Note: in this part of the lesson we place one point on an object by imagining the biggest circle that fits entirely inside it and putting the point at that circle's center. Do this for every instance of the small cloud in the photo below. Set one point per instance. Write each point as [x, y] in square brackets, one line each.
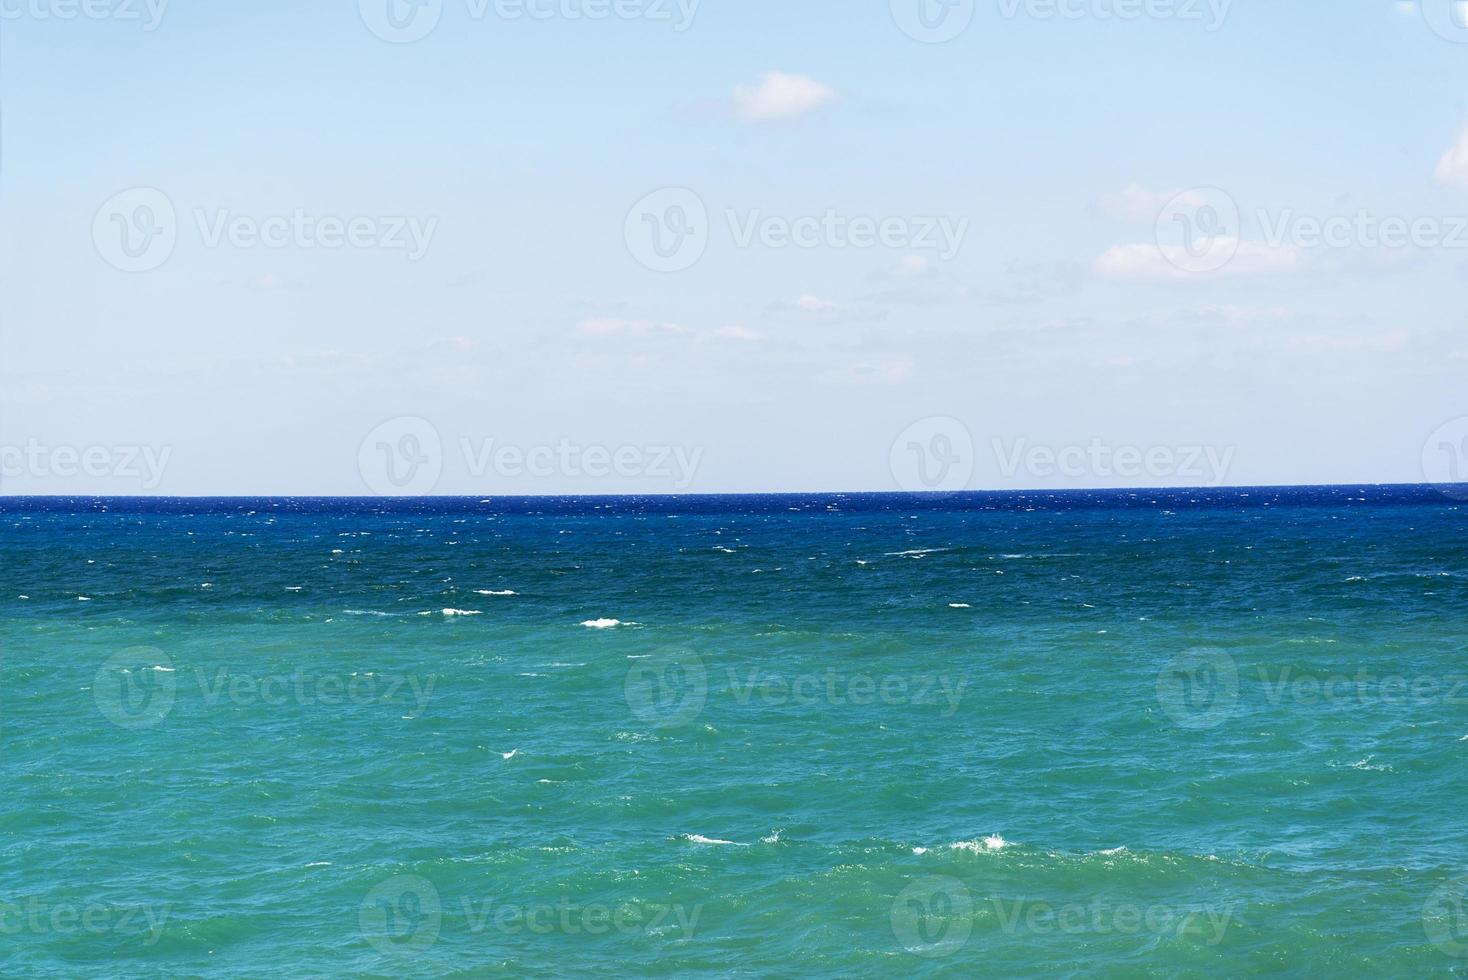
[611, 326]
[779, 96]
[917, 280]
[1038, 281]
[270, 282]
[1172, 263]
[743, 334]
[452, 345]
[1135, 205]
[890, 371]
[1452, 169]
[813, 309]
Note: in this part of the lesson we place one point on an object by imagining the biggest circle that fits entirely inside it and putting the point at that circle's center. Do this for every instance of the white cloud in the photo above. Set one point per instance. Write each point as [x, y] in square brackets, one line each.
[780, 96]
[1135, 205]
[611, 326]
[738, 333]
[813, 309]
[1452, 169]
[917, 280]
[1173, 263]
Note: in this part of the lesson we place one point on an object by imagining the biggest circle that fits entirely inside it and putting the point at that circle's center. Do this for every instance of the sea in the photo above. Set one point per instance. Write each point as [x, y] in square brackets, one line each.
[1084, 734]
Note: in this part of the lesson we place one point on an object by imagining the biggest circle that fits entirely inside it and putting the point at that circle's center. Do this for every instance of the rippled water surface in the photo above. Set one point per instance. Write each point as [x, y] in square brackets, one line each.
[1166, 734]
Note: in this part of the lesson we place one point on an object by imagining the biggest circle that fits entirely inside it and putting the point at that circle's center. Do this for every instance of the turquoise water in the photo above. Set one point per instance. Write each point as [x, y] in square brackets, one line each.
[1032, 735]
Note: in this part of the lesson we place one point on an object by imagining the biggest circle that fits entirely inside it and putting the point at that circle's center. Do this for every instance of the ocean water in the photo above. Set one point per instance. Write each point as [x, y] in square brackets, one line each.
[1182, 734]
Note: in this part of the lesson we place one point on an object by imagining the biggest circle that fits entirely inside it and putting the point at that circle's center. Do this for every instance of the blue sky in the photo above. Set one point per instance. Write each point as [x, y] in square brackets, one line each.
[518, 148]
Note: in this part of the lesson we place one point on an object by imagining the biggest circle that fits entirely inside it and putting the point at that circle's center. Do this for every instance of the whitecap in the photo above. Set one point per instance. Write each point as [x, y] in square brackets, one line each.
[991, 843]
[462, 612]
[319, 864]
[603, 624]
[507, 756]
[492, 592]
[162, 670]
[83, 598]
[959, 605]
[700, 839]
[919, 850]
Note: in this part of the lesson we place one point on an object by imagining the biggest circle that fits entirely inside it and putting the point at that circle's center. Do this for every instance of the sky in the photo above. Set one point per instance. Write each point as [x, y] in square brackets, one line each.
[498, 247]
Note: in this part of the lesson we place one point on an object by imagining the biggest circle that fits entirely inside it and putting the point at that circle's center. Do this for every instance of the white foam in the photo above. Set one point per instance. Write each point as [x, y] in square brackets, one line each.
[991, 843]
[919, 850]
[959, 605]
[319, 864]
[700, 839]
[1114, 850]
[603, 624]
[773, 838]
[462, 612]
[83, 598]
[492, 592]
[162, 670]
[510, 754]
[915, 553]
